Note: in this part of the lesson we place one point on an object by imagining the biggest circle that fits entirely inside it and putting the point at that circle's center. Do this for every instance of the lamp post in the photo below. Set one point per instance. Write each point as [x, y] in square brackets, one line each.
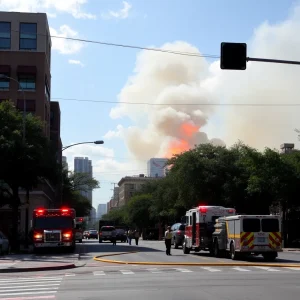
[24, 141]
[100, 142]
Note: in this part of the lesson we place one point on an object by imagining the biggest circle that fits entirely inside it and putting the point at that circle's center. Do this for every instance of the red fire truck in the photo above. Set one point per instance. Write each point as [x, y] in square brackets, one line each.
[199, 227]
[54, 228]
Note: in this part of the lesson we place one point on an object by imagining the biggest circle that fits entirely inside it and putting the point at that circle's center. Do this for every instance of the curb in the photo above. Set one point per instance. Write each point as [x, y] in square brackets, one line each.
[216, 264]
[36, 269]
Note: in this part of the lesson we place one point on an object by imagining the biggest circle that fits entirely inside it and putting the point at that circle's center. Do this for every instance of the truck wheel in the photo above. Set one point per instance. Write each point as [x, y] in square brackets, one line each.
[185, 249]
[100, 241]
[271, 256]
[175, 245]
[233, 253]
[80, 241]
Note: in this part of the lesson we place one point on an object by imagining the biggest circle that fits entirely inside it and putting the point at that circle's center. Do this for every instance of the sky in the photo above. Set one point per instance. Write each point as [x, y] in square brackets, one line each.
[170, 101]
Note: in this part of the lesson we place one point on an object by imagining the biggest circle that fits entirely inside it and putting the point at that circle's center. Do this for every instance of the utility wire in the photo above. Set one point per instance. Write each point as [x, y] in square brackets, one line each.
[175, 104]
[124, 45]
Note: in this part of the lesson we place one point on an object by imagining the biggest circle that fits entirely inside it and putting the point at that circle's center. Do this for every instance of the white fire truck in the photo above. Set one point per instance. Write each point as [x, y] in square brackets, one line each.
[200, 227]
[243, 235]
[54, 228]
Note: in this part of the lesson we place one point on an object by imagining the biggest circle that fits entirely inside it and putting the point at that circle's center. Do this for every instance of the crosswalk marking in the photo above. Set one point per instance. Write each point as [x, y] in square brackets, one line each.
[96, 273]
[210, 269]
[126, 272]
[269, 269]
[34, 286]
[241, 269]
[154, 270]
[291, 268]
[183, 270]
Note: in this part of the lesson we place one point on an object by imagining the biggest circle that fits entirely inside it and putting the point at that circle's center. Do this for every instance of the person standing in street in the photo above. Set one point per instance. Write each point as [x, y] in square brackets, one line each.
[168, 238]
[130, 235]
[114, 237]
[136, 237]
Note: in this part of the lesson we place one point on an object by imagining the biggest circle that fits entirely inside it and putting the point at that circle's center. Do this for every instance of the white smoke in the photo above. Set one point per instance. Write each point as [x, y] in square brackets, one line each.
[165, 80]
[172, 79]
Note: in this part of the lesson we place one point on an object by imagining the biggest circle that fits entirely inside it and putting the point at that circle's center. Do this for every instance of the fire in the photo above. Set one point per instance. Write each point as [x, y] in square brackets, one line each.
[187, 130]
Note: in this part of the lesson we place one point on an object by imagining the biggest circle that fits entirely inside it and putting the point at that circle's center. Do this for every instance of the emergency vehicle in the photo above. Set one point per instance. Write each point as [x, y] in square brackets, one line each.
[200, 227]
[79, 229]
[54, 228]
[243, 235]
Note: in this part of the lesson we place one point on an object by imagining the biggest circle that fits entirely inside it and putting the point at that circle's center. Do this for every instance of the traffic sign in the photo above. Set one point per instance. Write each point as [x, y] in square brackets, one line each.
[233, 56]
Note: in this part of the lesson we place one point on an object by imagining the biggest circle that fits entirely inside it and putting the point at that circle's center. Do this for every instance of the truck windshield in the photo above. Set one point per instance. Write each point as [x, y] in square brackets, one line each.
[270, 225]
[53, 223]
[251, 225]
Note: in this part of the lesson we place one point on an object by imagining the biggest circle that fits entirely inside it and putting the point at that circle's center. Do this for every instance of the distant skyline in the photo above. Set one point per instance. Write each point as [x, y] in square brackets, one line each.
[170, 101]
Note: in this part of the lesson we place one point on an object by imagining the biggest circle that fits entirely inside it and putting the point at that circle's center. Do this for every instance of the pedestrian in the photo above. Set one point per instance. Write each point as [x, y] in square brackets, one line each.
[130, 233]
[168, 238]
[114, 237]
[136, 237]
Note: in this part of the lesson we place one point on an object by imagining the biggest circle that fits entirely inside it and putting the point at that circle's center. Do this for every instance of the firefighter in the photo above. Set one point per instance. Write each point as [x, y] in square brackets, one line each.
[168, 238]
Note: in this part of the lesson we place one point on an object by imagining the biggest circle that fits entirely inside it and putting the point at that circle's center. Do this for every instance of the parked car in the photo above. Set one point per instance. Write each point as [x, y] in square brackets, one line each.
[177, 234]
[4, 244]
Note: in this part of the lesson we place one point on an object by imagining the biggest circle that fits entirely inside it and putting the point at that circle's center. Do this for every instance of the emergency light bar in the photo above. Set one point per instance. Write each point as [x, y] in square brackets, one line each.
[54, 212]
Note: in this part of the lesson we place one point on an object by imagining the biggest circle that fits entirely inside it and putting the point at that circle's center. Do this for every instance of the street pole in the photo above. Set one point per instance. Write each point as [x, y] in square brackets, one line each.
[277, 61]
[24, 144]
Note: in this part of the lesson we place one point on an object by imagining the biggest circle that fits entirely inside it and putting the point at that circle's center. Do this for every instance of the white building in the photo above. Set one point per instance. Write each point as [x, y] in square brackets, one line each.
[155, 167]
[84, 165]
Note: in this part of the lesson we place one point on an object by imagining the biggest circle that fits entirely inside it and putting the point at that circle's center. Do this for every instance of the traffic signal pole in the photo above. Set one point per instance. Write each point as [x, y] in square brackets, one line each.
[277, 61]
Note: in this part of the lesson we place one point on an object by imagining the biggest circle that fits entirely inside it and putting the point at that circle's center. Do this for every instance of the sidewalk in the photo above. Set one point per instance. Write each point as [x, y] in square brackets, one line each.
[291, 249]
[30, 263]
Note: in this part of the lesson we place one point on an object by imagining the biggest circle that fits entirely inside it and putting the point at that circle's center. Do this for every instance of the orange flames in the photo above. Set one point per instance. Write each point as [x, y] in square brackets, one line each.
[187, 130]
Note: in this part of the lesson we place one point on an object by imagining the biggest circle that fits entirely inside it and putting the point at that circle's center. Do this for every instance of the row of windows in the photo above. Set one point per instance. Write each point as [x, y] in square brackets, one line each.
[30, 105]
[27, 36]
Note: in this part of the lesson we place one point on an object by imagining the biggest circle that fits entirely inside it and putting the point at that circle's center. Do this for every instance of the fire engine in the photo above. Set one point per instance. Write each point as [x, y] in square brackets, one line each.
[243, 235]
[200, 227]
[54, 228]
[79, 229]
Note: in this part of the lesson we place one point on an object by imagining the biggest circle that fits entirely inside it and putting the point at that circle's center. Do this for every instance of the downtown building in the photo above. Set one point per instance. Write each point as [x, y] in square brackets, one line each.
[84, 165]
[25, 75]
[156, 167]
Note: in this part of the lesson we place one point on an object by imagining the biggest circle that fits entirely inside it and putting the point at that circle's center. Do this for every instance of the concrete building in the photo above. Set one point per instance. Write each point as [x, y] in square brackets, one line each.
[155, 167]
[129, 185]
[102, 208]
[84, 165]
[65, 163]
[25, 77]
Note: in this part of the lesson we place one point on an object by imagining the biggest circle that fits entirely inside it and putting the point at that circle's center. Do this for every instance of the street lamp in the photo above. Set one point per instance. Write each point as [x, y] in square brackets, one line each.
[95, 142]
[24, 141]
[66, 147]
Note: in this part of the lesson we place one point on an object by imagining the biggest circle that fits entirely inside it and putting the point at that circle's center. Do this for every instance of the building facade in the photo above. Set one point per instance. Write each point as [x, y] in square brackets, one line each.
[65, 163]
[84, 165]
[25, 79]
[129, 185]
[102, 209]
[155, 167]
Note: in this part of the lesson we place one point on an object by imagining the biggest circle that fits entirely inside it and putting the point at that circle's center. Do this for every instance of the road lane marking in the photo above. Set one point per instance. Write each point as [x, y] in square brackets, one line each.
[241, 269]
[98, 273]
[154, 270]
[211, 269]
[126, 272]
[294, 269]
[183, 270]
[267, 269]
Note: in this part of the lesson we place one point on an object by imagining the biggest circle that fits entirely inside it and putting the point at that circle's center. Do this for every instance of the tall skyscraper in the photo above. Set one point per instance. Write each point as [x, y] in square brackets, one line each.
[101, 210]
[84, 165]
[155, 167]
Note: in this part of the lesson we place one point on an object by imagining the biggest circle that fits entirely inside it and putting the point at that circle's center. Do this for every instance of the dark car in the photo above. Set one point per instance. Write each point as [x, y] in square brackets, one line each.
[121, 234]
[105, 233]
[92, 234]
[178, 230]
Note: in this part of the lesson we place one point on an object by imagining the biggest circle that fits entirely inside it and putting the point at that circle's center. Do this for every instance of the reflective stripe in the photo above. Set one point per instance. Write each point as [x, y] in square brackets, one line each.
[247, 239]
[275, 239]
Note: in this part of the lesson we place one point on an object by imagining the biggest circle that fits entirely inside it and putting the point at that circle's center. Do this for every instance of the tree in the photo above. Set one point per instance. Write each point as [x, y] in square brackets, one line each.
[73, 184]
[23, 164]
[118, 215]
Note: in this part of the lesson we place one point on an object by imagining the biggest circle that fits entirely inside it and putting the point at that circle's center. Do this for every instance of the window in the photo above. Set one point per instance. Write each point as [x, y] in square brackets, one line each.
[270, 225]
[4, 83]
[53, 223]
[27, 82]
[5, 35]
[251, 225]
[47, 91]
[30, 105]
[28, 36]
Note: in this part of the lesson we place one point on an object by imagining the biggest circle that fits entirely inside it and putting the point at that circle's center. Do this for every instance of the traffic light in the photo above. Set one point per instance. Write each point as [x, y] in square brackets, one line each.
[233, 56]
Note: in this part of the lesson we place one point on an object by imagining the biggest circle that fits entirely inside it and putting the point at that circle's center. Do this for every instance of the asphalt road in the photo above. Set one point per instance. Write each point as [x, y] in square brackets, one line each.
[96, 280]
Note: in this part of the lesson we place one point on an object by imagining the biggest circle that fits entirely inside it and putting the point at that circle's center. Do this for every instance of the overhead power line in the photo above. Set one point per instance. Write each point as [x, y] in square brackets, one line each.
[175, 104]
[126, 46]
